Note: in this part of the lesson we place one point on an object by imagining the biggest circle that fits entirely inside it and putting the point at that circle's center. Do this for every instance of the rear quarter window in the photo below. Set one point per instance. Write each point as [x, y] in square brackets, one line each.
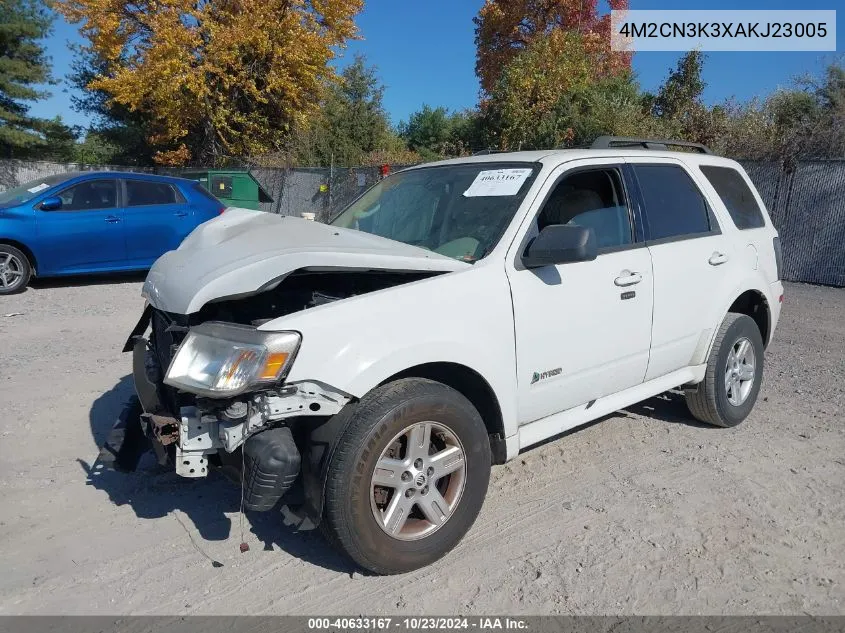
[736, 195]
[204, 193]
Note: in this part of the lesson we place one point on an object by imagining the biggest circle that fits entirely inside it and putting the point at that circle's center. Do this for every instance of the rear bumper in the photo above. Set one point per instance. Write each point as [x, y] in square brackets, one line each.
[776, 298]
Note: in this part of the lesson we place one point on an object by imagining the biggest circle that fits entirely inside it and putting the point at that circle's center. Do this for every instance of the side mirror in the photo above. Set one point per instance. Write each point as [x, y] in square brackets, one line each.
[51, 204]
[560, 244]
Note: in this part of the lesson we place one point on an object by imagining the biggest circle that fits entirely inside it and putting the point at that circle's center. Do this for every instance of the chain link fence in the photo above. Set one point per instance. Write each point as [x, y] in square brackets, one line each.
[806, 203]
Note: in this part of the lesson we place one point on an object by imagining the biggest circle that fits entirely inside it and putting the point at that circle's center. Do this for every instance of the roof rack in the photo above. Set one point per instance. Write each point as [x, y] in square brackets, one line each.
[484, 152]
[610, 142]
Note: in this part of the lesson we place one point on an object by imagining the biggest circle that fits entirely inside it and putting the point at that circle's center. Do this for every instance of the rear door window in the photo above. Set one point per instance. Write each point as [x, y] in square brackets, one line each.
[674, 205]
[737, 196]
[144, 192]
[202, 191]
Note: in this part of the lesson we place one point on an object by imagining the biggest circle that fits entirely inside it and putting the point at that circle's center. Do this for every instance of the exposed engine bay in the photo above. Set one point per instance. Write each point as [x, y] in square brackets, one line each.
[302, 290]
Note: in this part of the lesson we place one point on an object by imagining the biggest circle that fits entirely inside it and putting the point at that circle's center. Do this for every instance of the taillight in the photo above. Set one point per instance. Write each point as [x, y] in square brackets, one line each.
[778, 257]
[221, 210]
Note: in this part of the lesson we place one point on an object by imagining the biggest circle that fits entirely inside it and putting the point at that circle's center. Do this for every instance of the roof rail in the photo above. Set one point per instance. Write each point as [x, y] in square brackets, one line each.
[609, 142]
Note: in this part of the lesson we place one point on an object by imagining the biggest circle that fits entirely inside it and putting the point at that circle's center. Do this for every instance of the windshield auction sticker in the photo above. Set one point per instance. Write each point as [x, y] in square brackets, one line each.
[497, 182]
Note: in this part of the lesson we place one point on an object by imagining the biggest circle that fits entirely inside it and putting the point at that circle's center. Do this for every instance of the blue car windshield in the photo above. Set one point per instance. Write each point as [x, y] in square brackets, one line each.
[27, 191]
[457, 210]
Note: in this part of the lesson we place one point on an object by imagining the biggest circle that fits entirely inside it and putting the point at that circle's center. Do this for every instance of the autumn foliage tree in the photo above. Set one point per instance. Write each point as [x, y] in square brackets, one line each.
[213, 80]
[544, 93]
[505, 28]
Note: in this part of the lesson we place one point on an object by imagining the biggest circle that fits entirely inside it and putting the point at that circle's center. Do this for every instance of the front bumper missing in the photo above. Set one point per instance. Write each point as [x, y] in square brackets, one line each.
[200, 432]
[127, 441]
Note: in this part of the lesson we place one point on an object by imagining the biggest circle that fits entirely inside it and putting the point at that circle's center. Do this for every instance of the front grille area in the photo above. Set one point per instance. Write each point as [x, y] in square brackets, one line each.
[165, 338]
[163, 343]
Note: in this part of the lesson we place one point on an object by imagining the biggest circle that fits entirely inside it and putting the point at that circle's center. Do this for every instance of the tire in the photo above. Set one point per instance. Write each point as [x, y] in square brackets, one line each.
[15, 270]
[357, 512]
[723, 398]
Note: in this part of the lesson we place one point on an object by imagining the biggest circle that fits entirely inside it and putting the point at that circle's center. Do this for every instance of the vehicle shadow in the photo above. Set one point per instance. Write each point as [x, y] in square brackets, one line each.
[669, 406]
[666, 407]
[154, 492]
[44, 283]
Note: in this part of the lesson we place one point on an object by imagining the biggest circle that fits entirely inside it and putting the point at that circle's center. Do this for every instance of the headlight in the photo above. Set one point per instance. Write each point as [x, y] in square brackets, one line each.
[223, 359]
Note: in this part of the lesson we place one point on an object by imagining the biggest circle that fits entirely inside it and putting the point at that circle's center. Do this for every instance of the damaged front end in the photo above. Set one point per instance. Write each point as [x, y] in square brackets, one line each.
[250, 436]
[211, 389]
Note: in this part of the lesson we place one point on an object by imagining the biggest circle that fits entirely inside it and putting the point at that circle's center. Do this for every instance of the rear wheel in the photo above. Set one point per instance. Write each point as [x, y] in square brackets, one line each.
[409, 476]
[15, 270]
[734, 373]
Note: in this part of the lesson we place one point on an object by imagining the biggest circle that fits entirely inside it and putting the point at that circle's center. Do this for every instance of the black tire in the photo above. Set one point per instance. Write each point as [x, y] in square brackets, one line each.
[349, 521]
[17, 262]
[708, 401]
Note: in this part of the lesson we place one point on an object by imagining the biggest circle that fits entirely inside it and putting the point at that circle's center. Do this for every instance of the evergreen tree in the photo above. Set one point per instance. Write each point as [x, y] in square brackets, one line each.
[23, 67]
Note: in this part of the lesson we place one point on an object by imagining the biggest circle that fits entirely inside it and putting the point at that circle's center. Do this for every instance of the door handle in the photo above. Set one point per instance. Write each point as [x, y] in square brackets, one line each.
[717, 258]
[628, 278]
[180, 214]
[112, 219]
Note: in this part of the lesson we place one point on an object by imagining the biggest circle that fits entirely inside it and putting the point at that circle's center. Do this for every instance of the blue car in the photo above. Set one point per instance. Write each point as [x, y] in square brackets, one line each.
[95, 222]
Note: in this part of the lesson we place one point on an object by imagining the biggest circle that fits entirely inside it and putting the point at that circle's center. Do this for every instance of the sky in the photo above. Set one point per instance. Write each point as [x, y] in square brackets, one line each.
[425, 54]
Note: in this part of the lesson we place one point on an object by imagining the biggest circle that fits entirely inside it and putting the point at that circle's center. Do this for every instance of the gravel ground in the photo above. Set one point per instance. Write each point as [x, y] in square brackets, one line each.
[646, 512]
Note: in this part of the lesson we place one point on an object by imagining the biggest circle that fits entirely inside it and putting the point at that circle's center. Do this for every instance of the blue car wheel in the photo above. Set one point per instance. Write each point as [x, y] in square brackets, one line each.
[15, 270]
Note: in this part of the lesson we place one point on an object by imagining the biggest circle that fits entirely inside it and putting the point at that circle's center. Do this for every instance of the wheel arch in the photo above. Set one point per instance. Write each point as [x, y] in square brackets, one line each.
[754, 304]
[23, 248]
[474, 387]
[322, 440]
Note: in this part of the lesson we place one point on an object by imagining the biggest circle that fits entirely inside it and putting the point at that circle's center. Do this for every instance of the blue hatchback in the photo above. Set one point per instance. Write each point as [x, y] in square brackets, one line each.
[95, 222]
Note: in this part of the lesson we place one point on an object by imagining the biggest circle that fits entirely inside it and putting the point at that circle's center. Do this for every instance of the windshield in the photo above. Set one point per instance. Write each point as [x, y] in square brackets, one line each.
[28, 191]
[459, 210]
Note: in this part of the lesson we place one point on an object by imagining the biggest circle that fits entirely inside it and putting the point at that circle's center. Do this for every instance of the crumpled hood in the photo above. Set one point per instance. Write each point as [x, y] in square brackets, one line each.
[244, 251]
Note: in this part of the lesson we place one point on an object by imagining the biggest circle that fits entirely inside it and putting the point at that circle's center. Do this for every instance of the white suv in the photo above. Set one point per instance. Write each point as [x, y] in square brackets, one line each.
[372, 369]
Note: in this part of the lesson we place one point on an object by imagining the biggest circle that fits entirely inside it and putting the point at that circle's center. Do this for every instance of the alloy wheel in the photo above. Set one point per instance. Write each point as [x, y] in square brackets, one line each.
[418, 481]
[11, 271]
[740, 371]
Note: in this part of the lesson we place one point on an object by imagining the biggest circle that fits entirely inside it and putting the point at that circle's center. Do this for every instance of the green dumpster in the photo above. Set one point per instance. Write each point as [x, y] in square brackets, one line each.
[234, 188]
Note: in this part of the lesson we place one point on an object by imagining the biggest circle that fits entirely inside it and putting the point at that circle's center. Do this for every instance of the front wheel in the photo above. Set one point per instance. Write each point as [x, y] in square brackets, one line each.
[409, 476]
[734, 373]
[15, 270]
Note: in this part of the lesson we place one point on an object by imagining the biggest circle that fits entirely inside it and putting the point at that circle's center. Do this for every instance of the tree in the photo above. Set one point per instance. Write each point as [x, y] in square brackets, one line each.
[435, 133]
[351, 123]
[116, 132]
[96, 149]
[809, 119]
[427, 131]
[59, 140]
[804, 121]
[532, 103]
[23, 66]
[681, 92]
[212, 80]
[505, 28]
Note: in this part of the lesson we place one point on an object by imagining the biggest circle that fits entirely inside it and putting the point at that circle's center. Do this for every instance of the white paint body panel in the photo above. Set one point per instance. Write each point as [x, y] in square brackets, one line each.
[571, 317]
[463, 317]
[494, 317]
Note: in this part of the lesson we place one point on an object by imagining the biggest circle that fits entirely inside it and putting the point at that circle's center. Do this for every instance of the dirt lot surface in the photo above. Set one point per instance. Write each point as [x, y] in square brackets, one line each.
[645, 512]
